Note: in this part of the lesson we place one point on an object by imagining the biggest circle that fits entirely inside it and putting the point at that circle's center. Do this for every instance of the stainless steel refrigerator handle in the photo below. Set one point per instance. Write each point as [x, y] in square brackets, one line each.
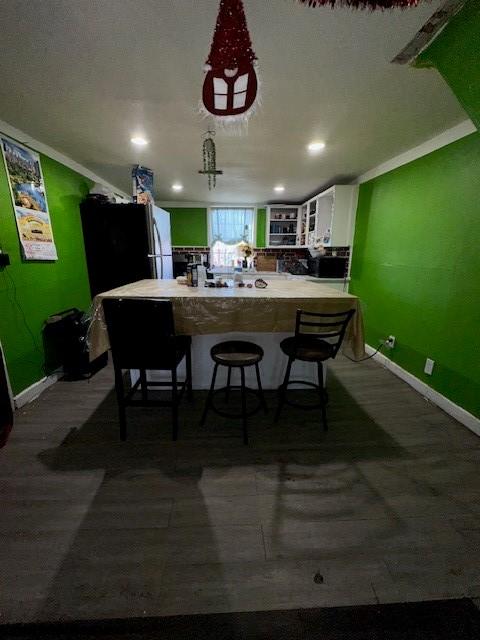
[159, 244]
[151, 242]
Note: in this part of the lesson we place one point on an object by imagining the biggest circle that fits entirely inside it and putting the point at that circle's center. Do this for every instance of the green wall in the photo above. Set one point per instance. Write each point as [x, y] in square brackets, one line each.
[416, 267]
[190, 228]
[31, 291]
[261, 227]
[416, 260]
[456, 54]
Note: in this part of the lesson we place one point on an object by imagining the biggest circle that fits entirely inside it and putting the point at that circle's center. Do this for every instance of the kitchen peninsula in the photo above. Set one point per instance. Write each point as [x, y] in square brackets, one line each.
[264, 316]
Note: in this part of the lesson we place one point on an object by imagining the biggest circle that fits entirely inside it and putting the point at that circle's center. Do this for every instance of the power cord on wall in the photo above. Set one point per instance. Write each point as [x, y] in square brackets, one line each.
[382, 344]
[16, 302]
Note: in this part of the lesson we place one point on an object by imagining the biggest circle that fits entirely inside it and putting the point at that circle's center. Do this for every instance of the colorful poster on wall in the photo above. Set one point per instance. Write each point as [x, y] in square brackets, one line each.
[142, 185]
[27, 189]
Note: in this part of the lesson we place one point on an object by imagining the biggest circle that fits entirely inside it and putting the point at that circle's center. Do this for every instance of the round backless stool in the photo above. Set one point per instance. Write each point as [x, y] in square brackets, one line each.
[236, 354]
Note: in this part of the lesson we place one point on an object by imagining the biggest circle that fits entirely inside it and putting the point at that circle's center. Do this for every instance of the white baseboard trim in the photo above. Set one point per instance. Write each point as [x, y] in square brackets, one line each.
[454, 410]
[34, 390]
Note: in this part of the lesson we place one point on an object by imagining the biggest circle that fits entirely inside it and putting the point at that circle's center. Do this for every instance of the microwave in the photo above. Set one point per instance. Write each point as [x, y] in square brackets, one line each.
[328, 267]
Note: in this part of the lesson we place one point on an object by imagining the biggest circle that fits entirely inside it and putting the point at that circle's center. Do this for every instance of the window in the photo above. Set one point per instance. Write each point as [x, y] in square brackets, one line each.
[227, 229]
[222, 91]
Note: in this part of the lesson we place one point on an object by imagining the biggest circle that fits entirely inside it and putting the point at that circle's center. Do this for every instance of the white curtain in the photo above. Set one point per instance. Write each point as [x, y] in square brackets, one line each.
[231, 226]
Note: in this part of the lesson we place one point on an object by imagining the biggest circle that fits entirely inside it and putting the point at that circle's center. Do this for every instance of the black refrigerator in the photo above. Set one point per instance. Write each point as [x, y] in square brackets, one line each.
[119, 244]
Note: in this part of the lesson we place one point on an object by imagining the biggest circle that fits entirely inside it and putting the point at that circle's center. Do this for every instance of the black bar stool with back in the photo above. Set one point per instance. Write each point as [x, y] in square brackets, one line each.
[142, 336]
[236, 354]
[318, 337]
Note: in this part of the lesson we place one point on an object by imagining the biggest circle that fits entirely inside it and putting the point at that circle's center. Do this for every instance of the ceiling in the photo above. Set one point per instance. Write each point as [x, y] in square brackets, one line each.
[83, 76]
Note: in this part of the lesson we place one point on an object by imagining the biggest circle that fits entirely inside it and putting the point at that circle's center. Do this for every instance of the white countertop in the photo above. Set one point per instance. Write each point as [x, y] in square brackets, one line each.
[277, 288]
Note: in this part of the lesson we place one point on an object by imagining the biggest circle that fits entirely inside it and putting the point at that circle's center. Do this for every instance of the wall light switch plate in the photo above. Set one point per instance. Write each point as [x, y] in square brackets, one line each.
[429, 366]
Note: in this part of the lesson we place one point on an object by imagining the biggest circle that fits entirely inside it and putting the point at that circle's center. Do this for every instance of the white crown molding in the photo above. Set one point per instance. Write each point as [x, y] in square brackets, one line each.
[27, 140]
[34, 390]
[467, 419]
[457, 132]
[207, 205]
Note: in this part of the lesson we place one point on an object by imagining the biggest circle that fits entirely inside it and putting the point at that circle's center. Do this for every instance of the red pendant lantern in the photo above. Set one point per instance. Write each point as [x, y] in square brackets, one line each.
[230, 86]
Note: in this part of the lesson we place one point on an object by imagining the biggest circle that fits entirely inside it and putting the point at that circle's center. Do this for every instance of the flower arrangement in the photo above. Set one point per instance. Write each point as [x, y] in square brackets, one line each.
[245, 249]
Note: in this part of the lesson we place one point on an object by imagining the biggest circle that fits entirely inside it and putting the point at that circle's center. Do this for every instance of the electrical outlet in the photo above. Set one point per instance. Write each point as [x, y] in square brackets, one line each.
[429, 366]
[390, 342]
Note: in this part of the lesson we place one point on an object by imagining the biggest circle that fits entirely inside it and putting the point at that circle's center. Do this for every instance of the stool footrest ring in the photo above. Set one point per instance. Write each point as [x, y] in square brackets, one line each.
[228, 414]
[300, 405]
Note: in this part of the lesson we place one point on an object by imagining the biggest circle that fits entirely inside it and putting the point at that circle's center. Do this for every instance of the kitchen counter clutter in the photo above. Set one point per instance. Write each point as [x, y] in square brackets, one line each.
[338, 283]
[264, 316]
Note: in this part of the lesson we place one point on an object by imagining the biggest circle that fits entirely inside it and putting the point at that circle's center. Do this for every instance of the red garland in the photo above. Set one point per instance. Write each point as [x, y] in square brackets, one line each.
[231, 44]
[363, 4]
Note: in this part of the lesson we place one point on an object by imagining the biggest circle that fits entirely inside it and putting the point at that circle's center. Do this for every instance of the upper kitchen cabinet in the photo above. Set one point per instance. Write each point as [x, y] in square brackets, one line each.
[331, 216]
[283, 226]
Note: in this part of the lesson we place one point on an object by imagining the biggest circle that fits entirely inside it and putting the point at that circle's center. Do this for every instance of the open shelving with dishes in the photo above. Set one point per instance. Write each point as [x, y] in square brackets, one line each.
[328, 217]
[282, 226]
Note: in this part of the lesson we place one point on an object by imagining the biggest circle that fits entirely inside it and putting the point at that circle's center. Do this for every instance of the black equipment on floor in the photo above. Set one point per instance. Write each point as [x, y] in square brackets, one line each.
[236, 354]
[66, 345]
[320, 341]
[142, 337]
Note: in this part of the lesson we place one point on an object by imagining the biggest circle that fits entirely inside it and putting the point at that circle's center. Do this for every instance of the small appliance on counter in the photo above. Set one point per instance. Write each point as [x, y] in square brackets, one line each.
[181, 260]
[328, 267]
[192, 274]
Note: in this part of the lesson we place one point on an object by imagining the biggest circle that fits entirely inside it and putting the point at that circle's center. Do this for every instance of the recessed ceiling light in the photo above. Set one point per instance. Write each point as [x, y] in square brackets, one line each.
[177, 186]
[139, 141]
[279, 188]
[315, 147]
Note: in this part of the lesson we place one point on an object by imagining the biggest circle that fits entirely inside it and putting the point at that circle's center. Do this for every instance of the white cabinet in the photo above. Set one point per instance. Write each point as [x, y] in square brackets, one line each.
[328, 217]
[283, 226]
[331, 216]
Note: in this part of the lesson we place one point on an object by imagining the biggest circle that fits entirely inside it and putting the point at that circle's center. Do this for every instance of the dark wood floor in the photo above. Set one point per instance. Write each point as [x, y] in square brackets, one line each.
[384, 507]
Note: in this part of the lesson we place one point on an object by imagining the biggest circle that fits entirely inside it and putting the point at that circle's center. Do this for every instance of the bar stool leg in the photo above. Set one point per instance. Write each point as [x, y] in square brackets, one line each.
[174, 405]
[244, 406]
[143, 385]
[322, 393]
[120, 391]
[282, 390]
[227, 388]
[188, 365]
[210, 396]
[260, 389]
